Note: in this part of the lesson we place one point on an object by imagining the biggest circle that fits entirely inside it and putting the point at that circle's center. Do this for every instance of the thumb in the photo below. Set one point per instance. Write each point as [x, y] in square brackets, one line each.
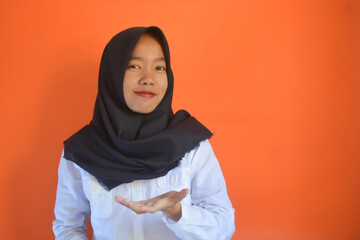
[184, 192]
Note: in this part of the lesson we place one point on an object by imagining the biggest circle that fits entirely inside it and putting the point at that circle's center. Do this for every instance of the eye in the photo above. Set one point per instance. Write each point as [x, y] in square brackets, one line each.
[160, 68]
[134, 66]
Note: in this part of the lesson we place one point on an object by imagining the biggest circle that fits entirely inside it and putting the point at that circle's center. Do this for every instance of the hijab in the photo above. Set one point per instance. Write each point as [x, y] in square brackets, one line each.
[119, 145]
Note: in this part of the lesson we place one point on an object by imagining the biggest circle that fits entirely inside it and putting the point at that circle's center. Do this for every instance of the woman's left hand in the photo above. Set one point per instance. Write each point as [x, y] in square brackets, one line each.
[168, 203]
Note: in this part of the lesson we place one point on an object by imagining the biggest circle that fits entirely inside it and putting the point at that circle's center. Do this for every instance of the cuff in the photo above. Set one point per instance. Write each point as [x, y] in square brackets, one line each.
[177, 227]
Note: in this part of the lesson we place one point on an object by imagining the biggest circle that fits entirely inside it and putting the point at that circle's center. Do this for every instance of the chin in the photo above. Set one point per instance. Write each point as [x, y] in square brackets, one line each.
[143, 110]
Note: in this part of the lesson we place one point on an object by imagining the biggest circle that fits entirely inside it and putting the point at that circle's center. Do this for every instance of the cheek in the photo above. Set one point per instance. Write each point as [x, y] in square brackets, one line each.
[127, 87]
[163, 86]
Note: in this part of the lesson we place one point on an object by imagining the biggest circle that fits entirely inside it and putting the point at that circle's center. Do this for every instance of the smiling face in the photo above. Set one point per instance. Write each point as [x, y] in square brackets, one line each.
[145, 79]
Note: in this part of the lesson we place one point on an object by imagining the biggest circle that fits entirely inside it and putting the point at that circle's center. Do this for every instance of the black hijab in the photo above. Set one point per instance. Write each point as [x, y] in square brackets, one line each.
[119, 145]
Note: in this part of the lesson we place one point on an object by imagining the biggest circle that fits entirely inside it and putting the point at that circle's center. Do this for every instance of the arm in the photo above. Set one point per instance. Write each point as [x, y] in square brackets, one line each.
[210, 215]
[72, 208]
[168, 203]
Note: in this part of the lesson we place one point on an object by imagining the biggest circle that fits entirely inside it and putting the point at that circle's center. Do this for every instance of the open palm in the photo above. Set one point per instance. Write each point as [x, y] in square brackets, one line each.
[168, 203]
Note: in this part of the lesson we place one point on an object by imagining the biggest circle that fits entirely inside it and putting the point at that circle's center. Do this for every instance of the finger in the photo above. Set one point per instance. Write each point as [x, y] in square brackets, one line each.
[119, 199]
[127, 203]
[141, 202]
[155, 204]
[149, 209]
[123, 201]
[134, 206]
[179, 196]
[163, 201]
[184, 192]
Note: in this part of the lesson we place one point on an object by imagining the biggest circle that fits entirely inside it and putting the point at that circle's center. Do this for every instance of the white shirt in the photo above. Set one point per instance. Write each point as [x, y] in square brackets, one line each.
[207, 212]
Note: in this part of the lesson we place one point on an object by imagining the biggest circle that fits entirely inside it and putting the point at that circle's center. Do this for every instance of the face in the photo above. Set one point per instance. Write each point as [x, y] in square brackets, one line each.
[145, 79]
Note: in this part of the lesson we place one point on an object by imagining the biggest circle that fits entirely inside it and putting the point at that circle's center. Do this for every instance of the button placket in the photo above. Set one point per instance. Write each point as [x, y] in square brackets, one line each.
[136, 219]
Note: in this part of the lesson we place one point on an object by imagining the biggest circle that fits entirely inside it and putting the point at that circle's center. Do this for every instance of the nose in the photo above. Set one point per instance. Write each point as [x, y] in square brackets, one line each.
[147, 78]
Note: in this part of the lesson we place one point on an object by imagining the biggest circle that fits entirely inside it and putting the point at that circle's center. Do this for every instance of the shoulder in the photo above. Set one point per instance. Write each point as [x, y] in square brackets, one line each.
[70, 169]
[203, 147]
[199, 155]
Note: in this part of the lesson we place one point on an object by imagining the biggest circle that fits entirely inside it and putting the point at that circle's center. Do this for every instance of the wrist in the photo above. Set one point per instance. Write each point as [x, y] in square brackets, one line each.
[174, 212]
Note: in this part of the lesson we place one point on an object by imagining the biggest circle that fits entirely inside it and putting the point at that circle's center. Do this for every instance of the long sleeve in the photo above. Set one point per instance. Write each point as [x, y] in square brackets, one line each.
[207, 212]
[210, 214]
[72, 209]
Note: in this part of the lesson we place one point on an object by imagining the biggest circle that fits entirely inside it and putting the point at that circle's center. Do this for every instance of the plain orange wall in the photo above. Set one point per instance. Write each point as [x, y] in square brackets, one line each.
[278, 82]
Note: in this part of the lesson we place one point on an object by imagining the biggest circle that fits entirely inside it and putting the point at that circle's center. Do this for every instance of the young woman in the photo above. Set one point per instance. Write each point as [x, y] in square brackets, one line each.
[139, 170]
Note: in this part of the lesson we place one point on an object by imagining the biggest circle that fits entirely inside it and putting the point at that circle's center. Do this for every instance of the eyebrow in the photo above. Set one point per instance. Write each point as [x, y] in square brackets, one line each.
[140, 58]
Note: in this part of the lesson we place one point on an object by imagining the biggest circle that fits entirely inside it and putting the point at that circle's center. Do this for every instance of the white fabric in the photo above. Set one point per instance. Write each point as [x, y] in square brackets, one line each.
[207, 212]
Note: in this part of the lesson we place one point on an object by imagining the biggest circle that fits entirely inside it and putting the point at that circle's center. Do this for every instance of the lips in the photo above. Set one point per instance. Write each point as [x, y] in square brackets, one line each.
[147, 94]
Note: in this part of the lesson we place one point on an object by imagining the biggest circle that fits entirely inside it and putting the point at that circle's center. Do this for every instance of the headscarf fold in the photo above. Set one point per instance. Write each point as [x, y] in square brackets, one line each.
[119, 145]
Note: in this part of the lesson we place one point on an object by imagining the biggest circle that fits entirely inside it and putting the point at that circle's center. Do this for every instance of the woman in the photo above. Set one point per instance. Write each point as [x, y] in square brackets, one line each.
[140, 171]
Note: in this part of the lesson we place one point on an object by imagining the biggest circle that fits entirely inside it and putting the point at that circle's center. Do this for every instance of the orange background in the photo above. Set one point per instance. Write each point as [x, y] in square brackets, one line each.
[278, 82]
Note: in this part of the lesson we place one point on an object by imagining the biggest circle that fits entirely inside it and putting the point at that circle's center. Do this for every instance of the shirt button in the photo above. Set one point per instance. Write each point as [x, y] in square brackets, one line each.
[173, 182]
[136, 186]
[94, 188]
